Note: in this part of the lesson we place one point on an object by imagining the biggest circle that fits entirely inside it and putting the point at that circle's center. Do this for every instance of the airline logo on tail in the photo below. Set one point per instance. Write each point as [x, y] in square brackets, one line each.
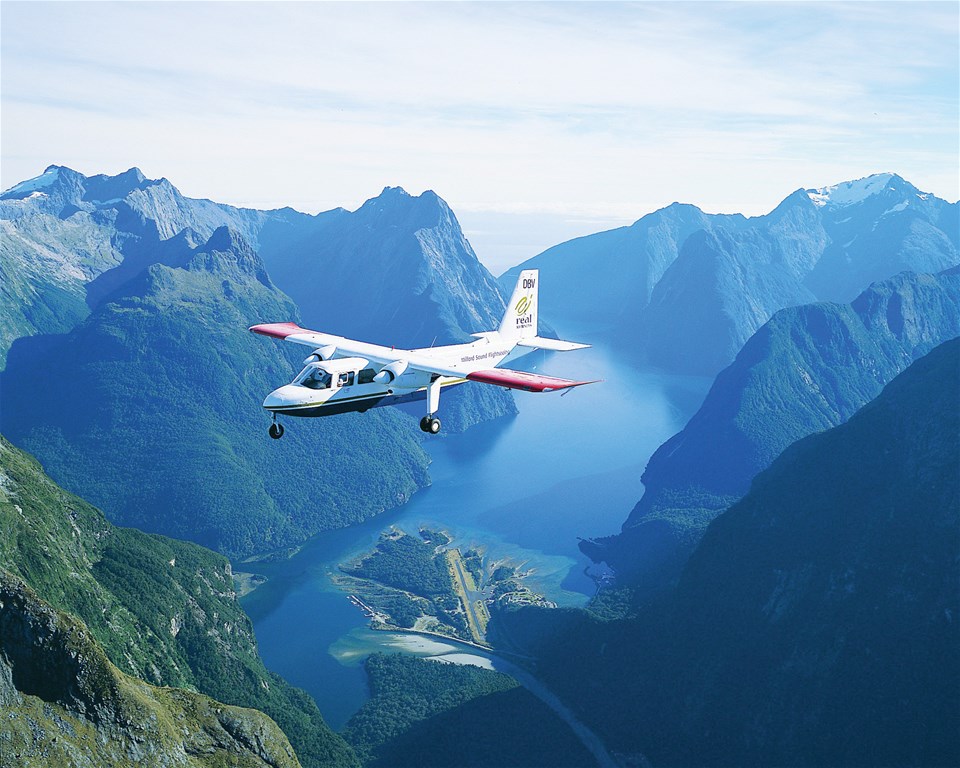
[524, 307]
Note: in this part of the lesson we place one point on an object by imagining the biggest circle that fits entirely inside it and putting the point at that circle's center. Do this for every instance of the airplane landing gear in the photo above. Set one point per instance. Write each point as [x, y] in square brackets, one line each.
[276, 431]
[430, 424]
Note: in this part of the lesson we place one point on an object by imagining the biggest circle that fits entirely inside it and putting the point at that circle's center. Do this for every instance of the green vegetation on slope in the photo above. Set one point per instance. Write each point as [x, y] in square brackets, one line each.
[808, 369]
[65, 704]
[150, 409]
[815, 624]
[163, 610]
[404, 561]
[426, 714]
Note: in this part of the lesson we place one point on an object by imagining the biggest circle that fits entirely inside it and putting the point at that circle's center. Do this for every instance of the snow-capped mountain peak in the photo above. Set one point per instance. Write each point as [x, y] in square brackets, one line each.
[850, 192]
[31, 187]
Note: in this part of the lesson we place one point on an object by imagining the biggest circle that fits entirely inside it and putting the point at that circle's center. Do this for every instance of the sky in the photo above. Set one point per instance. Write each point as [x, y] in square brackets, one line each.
[535, 121]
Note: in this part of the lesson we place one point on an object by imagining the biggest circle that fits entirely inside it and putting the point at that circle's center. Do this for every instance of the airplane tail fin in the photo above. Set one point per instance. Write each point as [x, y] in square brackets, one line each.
[520, 319]
[519, 324]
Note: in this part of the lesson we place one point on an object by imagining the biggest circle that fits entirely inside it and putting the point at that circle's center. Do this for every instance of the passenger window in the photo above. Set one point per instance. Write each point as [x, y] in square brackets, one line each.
[366, 376]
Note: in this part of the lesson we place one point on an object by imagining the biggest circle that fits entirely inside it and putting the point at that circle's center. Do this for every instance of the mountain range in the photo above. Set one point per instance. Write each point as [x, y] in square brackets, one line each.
[815, 623]
[683, 290]
[151, 410]
[808, 369]
[786, 586]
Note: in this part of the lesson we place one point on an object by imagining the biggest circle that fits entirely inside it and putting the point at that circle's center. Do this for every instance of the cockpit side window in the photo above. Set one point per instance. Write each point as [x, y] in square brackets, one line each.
[319, 380]
[314, 377]
[345, 379]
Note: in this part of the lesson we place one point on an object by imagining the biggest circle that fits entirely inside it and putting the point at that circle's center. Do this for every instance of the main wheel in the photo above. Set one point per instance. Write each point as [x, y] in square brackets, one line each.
[430, 425]
[276, 431]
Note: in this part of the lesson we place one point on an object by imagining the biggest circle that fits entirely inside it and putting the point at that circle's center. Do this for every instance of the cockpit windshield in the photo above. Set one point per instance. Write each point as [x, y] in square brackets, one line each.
[314, 377]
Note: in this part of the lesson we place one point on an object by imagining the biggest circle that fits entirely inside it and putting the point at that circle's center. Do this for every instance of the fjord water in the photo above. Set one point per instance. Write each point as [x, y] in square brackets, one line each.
[522, 488]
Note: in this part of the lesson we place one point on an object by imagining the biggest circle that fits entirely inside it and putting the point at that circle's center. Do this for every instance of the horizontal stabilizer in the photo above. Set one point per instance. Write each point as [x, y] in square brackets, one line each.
[552, 345]
[530, 382]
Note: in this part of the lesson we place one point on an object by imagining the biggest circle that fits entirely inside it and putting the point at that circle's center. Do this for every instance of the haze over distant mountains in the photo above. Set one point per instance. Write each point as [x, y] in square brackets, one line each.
[684, 290]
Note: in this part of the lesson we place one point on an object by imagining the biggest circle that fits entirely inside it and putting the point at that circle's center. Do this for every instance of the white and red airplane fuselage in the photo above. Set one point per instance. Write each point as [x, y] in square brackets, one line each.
[343, 375]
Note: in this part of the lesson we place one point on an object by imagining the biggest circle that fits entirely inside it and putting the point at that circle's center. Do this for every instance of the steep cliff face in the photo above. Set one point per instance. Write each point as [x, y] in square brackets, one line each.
[66, 704]
[722, 287]
[398, 270]
[606, 279]
[162, 610]
[808, 369]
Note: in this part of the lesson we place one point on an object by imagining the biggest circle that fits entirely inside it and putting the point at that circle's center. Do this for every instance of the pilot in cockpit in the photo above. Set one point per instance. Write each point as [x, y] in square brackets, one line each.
[314, 377]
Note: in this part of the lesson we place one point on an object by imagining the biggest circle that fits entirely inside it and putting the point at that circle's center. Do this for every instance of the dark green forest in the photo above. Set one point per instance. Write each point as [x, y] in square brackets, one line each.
[429, 714]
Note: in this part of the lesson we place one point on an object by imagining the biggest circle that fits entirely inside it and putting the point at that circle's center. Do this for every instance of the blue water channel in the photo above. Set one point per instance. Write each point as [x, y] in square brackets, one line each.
[523, 488]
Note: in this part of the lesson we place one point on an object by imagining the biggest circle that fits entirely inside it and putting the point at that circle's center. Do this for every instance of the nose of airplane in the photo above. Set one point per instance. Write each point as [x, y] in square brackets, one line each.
[282, 397]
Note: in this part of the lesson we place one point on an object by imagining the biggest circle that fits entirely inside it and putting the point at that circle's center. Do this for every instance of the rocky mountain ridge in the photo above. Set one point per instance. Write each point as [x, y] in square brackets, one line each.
[683, 290]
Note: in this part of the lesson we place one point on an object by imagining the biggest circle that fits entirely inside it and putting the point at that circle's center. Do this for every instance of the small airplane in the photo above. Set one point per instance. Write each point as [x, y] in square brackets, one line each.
[343, 375]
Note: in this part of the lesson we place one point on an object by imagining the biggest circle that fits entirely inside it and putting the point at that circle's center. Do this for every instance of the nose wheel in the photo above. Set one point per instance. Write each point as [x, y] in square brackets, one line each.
[276, 430]
[430, 424]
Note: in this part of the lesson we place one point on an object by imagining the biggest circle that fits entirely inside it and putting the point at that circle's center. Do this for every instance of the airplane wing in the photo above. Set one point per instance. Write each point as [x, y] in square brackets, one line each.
[293, 332]
[530, 382]
[419, 359]
[551, 345]
[341, 346]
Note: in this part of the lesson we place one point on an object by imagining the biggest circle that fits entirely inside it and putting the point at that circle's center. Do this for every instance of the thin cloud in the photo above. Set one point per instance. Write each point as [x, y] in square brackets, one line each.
[599, 109]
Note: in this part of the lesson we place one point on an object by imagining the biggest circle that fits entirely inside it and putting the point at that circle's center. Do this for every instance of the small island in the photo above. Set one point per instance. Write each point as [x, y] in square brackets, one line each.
[421, 584]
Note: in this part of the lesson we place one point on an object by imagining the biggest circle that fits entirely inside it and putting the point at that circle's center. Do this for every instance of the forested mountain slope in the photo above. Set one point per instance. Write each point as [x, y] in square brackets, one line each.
[808, 369]
[162, 610]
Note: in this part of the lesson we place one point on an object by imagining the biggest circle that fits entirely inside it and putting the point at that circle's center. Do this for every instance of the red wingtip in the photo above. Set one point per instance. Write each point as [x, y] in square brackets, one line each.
[531, 382]
[276, 330]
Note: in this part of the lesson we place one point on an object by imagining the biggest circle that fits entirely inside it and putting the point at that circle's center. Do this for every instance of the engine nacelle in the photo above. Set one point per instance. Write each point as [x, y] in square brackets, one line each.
[321, 353]
[391, 372]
